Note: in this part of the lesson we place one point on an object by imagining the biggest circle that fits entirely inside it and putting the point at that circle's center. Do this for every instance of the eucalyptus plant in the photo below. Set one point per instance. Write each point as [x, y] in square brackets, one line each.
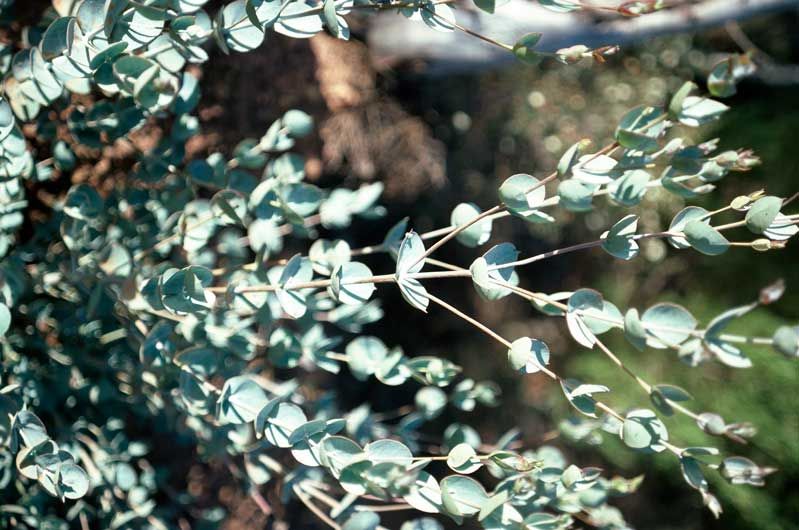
[167, 303]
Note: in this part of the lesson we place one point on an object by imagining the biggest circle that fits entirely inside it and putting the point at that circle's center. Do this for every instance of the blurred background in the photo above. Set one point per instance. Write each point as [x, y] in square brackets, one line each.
[439, 132]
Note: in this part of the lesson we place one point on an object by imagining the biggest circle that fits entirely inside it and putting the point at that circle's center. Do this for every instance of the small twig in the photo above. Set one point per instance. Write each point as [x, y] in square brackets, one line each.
[314, 508]
[262, 503]
[438, 244]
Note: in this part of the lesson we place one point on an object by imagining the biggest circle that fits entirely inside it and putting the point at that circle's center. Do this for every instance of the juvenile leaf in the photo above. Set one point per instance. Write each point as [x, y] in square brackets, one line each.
[280, 421]
[716, 326]
[528, 355]
[674, 393]
[596, 169]
[705, 239]
[576, 479]
[581, 303]
[727, 353]
[575, 196]
[476, 234]
[343, 288]
[662, 397]
[462, 496]
[425, 495]
[362, 521]
[670, 324]
[337, 452]
[782, 229]
[298, 271]
[73, 481]
[763, 213]
[712, 423]
[394, 237]
[414, 293]
[229, 207]
[299, 20]
[618, 241]
[486, 5]
[696, 111]
[692, 473]
[786, 340]
[389, 451]
[492, 505]
[330, 17]
[571, 156]
[490, 268]
[725, 74]
[410, 251]
[57, 37]
[326, 255]
[581, 395]
[634, 330]
[522, 194]
[264, 236]
[642, 430]
[685, 216]
[430, 401]
[364, 355]
[463, 459]
[241, 400]
[393, 370]
[5, 319]
[639, 129]
[298, 123]
[630, 188]
[524, 48]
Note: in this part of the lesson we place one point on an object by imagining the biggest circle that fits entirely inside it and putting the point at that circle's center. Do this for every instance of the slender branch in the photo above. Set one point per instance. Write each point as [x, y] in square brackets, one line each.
[482, 327]
[643, 384]
[454, 271]
[648, 389]
[259, 500]
[468, 31]
[552, 375]
[142, 253]
[574, 248]
[441, 242]
[314, 508]
[317, 493]
[384, 508]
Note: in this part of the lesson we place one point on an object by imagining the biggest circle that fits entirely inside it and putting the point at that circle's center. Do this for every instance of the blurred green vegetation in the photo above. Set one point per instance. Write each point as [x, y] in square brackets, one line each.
[521, 120]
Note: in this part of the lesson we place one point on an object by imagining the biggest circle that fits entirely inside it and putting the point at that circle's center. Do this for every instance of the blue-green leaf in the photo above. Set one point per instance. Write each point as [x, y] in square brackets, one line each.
[705, 239]
[241, 400]
[763, 213]
[618, 241]
[581, 395]
[668, 324]
[490, 268]
[528, 355]
[642, 430]
[462, 496]
[476, 234]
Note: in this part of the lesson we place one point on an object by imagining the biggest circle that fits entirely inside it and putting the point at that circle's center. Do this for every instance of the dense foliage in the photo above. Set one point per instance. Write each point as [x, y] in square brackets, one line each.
[174, 302]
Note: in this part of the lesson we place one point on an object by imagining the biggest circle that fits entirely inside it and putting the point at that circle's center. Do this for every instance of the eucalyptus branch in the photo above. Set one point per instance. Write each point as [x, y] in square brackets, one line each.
[142, 261]
[468, 31]
[449, 236]
[647, 387]
[552, 375]
[574, 248]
